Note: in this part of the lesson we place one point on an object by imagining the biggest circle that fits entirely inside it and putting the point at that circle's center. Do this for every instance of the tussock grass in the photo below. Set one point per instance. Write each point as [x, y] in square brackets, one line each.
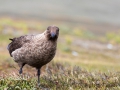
[62, 77]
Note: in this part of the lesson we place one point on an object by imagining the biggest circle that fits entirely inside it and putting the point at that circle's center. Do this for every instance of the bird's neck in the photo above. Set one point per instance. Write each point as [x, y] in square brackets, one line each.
[42, 36]
[39, 37]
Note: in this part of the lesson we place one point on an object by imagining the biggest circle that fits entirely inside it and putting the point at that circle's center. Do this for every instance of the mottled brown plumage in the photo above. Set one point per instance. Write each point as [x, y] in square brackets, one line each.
[34, 50]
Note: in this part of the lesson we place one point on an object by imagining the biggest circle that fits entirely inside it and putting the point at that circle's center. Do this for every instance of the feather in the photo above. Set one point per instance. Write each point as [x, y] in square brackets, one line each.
[10, 39]
[17, 43]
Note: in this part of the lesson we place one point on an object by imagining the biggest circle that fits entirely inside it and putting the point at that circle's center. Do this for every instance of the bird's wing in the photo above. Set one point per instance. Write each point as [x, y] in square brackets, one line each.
[18, 43]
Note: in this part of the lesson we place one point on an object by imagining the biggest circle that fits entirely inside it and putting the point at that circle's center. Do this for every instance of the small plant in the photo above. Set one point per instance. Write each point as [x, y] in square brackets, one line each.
[66, 78]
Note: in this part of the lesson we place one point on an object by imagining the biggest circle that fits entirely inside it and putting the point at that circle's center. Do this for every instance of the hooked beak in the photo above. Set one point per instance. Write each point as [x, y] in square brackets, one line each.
[53, 34]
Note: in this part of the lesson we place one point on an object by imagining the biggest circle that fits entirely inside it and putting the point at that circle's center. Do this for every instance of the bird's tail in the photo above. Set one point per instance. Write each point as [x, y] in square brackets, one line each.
[10, 39]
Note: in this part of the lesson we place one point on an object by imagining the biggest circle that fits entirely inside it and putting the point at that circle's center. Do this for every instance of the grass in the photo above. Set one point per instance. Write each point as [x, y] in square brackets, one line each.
[90, 69]
[73, 78]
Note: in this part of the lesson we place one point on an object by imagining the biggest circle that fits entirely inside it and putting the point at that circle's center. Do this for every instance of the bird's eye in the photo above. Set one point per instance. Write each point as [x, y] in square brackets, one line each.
[57, 29]
[48, 28]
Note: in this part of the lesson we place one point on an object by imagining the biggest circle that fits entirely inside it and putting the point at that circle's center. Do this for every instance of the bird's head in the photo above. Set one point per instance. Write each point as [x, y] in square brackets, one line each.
[52, 33]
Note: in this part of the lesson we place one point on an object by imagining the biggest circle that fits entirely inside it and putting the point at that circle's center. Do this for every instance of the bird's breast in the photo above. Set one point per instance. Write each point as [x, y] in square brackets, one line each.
[41, 53]
[35, 53]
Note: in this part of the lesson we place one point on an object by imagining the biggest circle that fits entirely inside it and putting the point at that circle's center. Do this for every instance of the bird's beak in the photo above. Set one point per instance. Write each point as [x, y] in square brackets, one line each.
[53, 34]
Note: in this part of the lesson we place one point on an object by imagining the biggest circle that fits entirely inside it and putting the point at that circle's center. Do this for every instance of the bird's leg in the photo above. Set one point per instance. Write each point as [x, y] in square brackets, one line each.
[38, 73]
[20, 71]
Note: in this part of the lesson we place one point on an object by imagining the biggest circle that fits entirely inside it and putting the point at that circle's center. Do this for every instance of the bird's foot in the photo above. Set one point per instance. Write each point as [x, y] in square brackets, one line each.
[20, 72]
[38, 84]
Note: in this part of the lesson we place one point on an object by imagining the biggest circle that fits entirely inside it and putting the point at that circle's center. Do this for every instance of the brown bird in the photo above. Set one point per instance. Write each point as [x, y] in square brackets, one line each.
[34, 50]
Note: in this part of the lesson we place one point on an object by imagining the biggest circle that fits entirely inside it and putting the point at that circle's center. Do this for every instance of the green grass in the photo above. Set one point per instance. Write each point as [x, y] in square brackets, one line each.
[66, 78]
[24, 27]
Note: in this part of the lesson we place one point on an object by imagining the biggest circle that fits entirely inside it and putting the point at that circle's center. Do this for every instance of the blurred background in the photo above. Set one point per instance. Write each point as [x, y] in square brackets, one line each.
[89, 30]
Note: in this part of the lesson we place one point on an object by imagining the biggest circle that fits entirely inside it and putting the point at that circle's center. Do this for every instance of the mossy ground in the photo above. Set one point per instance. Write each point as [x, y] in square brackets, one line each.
[58, 76]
